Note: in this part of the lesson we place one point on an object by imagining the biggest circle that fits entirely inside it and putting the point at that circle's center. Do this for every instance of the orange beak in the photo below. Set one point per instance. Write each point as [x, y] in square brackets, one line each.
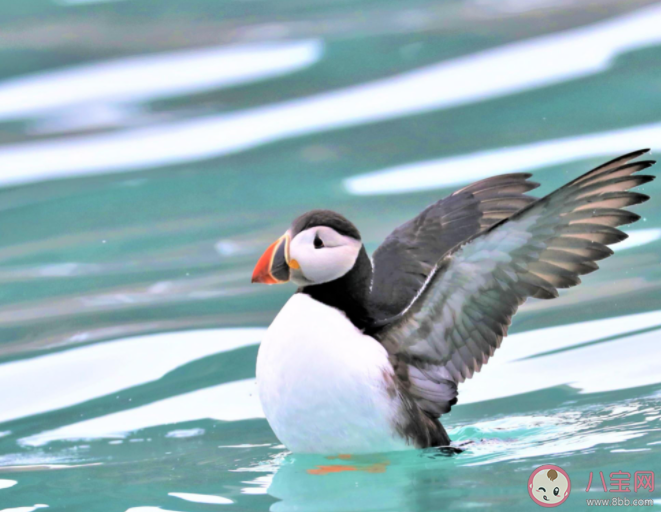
[273, 266]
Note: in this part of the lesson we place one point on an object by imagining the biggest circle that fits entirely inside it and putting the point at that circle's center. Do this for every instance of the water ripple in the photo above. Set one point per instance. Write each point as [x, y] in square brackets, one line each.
[531, 64]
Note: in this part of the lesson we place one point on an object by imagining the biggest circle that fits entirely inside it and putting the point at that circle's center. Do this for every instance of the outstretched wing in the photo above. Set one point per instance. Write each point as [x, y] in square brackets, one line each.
[462, 313]
[406, 258]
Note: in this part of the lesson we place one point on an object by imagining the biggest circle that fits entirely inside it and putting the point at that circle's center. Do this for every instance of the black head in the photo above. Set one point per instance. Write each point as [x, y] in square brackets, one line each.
[320, 246]
[322, 252]
[327, 218]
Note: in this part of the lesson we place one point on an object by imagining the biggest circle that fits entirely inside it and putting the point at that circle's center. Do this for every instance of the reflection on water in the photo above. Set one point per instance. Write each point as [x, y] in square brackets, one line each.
[460, 170]
[416, 480]
[227, 402]
[637, 238]
[25, 509]
[75, 376]
[529, 64]
[148, 78]
[201, 498]
[129, 328]
[82, 2]
[595, 356]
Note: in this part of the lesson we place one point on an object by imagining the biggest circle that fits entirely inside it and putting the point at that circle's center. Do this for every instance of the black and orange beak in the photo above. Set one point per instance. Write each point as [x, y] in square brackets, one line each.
[273, 266]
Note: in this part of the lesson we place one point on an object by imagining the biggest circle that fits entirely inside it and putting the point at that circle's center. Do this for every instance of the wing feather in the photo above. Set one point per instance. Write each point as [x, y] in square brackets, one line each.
[461, 314]
[408, 255]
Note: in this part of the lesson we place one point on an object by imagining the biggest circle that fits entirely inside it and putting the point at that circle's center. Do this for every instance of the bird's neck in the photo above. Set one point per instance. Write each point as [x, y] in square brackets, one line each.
[349, 293]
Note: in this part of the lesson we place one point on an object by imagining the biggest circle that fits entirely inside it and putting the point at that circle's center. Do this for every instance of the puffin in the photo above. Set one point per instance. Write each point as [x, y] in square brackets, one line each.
[367, 355]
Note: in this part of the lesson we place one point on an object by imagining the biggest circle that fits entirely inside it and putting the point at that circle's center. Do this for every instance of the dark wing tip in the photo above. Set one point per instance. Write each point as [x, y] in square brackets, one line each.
[622, 159]
[630, 156]
[644, 164]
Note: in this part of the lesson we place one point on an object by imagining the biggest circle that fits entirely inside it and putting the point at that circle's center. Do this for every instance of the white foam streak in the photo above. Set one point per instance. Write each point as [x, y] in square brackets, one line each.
[24, 509]
[458, 170]
[233, 401]
[85, 2]
[552, 447]
[638, 238]
[530, 64]
[5, 484]
[148, 509]
[627, 362]
[201, 498]
[74, 376]
[191, 432]
[150, 77]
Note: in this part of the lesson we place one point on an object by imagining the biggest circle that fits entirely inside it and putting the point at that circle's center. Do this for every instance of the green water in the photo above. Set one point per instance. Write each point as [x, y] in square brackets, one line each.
[135, 200]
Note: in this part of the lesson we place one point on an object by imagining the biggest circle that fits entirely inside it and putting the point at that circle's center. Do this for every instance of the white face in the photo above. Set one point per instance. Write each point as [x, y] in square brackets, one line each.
[322, 255]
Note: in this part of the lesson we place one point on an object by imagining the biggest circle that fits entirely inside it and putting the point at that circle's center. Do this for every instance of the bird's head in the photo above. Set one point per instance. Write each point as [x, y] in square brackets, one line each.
[320, 246]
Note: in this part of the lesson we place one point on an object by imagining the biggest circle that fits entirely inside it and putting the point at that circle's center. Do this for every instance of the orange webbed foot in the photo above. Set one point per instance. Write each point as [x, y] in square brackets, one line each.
[326, 470]
[377, 467]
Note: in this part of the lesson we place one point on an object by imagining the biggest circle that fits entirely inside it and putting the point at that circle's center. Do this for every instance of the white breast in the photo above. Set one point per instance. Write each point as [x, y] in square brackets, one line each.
[321, 383]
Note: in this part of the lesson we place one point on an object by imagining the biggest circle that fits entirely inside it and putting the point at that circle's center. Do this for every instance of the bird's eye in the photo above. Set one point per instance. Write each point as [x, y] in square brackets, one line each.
[541, 489]
[556, 491]
[318, 242]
